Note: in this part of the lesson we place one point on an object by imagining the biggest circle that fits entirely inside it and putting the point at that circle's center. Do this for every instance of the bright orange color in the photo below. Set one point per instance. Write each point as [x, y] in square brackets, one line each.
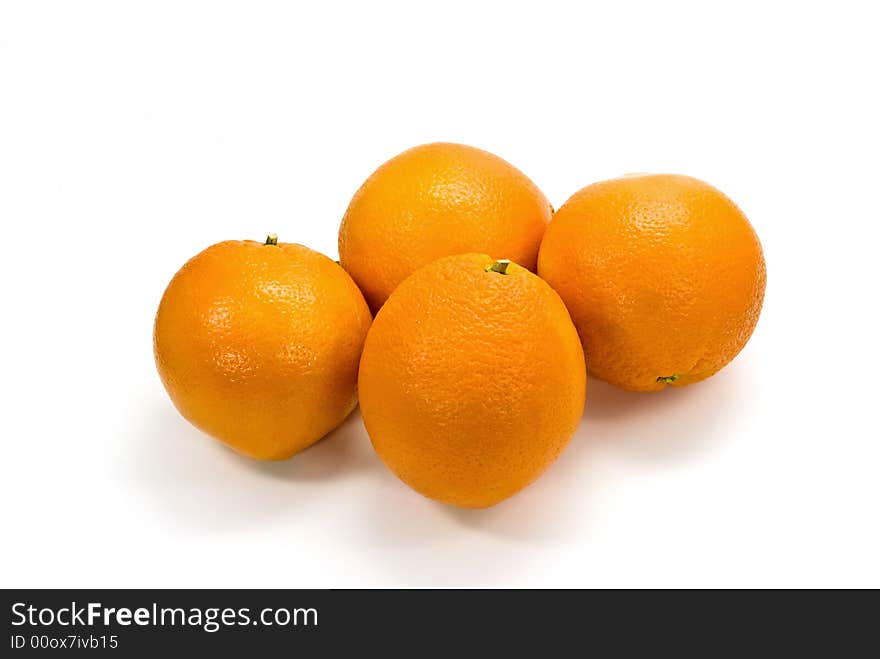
[438, 200]
[258, 345]
[472, 381]
[663, 275]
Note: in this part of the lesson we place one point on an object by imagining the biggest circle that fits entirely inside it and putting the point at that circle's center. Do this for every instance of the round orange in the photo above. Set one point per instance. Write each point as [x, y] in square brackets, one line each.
[663, 275]
[438, 200]
[258, 345]
[472, 380]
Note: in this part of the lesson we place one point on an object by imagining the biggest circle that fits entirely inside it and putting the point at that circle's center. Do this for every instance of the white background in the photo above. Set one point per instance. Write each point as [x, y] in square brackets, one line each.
[133, 135]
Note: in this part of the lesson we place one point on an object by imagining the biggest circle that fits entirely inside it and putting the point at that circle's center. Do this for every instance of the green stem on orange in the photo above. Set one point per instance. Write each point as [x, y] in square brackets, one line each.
[272, 239]
[500, 266]
[669, 379]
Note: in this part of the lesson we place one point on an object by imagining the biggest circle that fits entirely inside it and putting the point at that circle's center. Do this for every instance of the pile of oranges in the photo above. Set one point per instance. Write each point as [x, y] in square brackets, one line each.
[463, 314]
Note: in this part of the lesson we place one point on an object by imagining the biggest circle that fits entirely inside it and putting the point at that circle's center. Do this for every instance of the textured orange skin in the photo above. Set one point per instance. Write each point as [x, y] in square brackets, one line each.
[258, 345]
[663, 276]
[438, 200]
[471, 382]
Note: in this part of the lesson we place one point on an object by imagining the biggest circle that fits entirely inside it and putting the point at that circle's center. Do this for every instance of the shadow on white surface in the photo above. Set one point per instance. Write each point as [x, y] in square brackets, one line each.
[191, 480]
[659, 427]
[193, 485]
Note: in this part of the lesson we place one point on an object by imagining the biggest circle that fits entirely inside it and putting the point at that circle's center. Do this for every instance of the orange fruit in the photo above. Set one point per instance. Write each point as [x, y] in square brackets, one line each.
[258, 345]
[438, 200]
[663, 275]
[472, 380]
